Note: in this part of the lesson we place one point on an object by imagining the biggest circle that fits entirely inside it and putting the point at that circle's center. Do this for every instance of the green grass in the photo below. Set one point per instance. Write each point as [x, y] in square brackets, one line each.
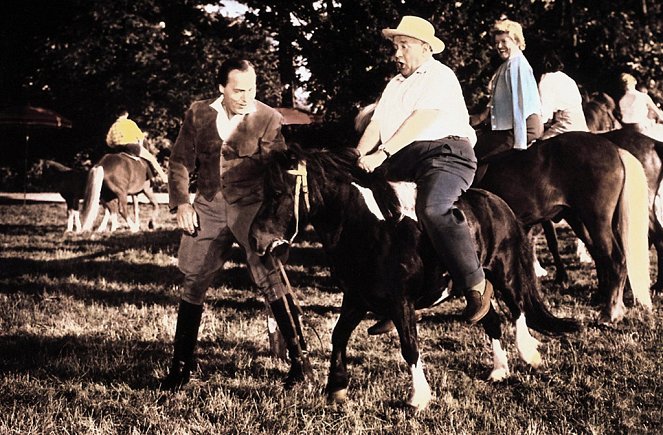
[86, 328]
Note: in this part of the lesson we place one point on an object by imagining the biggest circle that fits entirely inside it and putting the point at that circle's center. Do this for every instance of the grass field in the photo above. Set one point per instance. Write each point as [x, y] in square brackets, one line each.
[87, 322]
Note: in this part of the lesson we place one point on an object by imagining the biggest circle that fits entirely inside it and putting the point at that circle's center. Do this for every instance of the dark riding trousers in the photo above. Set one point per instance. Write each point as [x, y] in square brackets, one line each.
[442, 169]
[494, 142]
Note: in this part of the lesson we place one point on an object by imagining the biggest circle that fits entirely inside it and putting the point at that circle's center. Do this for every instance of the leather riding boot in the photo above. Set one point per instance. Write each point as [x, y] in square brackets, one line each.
[478, 302]
[300, 366]
[186, 336]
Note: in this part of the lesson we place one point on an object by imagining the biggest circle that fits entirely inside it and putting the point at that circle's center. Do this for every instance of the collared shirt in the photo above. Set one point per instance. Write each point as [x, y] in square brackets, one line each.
[432, 86]
[515, 96]
[226, 126]
[124, 132]
[561, 101]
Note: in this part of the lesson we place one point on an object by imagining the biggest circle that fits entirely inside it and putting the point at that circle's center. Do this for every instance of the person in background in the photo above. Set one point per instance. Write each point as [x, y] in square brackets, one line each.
[561, 102]
[225, 141]
[125, 136]
[639, 111]
[420, 132]
[515, 106]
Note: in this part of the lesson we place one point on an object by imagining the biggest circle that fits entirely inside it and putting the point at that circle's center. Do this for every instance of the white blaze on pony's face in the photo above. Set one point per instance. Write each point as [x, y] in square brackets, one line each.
[239, 93]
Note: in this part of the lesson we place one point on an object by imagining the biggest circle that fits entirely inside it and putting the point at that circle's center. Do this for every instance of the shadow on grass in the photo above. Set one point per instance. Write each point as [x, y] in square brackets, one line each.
[86, 359]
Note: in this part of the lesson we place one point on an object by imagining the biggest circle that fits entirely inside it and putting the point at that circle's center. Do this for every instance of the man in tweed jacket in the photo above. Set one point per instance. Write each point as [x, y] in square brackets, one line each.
[225, 141]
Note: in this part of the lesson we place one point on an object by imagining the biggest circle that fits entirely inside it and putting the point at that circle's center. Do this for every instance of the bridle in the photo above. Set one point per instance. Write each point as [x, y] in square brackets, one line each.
[301, 187]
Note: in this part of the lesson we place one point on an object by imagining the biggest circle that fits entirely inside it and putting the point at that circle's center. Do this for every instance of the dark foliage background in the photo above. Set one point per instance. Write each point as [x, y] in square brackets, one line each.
[84, 58]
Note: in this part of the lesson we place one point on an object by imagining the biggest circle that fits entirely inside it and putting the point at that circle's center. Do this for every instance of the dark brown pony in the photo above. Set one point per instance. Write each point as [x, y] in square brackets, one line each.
[650, 154]
[385, 264]
[599, 189]
[69, 183]
[112, 180]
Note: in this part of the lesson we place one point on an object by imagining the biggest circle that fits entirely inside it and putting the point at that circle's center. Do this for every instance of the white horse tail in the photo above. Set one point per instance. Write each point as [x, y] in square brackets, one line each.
[95, 180]
[634, 224]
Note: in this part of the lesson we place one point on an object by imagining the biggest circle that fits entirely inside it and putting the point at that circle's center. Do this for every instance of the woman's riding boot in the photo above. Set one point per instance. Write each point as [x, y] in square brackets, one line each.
[186, 336]
[288, 319]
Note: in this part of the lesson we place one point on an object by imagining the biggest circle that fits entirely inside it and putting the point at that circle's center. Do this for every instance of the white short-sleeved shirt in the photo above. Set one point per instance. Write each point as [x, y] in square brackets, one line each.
[432, 86]
[561, 98]
[634, 106]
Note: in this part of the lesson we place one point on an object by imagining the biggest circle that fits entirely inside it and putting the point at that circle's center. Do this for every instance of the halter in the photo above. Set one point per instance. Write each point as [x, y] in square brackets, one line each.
[301, 186]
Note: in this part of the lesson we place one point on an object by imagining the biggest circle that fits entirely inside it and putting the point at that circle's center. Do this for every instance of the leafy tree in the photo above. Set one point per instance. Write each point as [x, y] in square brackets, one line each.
[83, 58]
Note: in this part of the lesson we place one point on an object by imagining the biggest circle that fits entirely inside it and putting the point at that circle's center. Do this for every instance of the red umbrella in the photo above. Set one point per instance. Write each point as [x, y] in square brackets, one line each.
[293, 116]
[32, 116]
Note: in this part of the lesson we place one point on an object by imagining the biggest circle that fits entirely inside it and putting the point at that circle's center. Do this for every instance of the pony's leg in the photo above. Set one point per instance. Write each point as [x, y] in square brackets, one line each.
[104, 221]
[561, 277]
[405, 319]
[77, 221]
[337, 381]
[526, 344]
[122, 208]
[582, 252]
[610, 264]
[70, 221]
[115, 222]
[493, 327]
[149, 193]
[136, 204]
[538, 269]
[658, 245]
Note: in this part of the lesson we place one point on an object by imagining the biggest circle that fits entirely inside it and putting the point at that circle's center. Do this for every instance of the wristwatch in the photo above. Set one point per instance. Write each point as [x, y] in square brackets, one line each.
[384, 150]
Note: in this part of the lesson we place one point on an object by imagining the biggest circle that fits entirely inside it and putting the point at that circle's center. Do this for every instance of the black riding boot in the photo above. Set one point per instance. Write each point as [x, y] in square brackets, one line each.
[300, 366]
[186, 336]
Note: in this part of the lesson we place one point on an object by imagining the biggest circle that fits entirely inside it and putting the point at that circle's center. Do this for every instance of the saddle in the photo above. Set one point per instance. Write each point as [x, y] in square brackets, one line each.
[484, 162]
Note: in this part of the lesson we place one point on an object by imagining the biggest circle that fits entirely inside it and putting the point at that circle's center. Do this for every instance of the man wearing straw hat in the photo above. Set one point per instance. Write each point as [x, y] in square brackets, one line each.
[420, 131]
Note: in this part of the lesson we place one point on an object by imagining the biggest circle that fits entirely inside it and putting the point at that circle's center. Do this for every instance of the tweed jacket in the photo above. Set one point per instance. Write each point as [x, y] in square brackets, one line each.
[198, 149]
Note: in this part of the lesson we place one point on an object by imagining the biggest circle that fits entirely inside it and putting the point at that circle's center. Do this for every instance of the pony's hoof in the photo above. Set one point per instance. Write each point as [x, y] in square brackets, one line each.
[532, 357]
[420, 400]
[613, 315]
[536, 360]
[340, 396]
[498, 375]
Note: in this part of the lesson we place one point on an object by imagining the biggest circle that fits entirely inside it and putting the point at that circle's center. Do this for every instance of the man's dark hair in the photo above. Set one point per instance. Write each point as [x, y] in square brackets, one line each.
[230, 65]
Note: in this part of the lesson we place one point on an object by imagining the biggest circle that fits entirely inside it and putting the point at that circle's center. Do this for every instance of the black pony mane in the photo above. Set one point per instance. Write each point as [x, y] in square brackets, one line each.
[327, 167]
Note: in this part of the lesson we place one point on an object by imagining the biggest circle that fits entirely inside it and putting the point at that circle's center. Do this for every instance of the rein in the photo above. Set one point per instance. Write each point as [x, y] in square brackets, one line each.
[301, 186]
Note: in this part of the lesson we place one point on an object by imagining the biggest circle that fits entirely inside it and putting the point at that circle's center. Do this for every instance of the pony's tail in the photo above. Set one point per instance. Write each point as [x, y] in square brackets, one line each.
[95, 180]
[634, 224]
[530, 300]
[541, 319]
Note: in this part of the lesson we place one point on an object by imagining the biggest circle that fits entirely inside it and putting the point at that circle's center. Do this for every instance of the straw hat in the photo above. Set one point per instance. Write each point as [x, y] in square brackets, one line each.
[418, 28]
